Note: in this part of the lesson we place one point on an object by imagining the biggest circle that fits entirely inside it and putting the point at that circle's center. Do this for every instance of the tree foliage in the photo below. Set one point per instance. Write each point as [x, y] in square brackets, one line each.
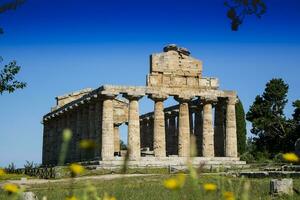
[241, 127]
[274, 132]
[7, 78]
[8, 73]
[11, 5]
[239, 9]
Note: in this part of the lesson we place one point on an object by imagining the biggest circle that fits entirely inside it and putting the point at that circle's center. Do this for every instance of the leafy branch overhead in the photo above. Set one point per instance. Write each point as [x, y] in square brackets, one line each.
[12, 5]
[7, 78]
[239, 9]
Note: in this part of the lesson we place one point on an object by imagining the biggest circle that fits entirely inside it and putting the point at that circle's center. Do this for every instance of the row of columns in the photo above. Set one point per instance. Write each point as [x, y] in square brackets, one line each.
[208, 142]
[85, 123]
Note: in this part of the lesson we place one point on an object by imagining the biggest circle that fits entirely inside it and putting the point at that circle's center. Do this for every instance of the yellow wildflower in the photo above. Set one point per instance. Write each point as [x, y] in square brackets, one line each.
[291, 157]
[2, 172]
[107, 197]
[71, 198]
[67, 135]
[87, 144]
[209, 187]
[11, 188]
[181, 178]
[175, 183]
[76, 169]
[228, 196]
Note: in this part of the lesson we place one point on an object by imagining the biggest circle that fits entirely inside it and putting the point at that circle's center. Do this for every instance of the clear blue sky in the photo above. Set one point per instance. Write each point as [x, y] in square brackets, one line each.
[67, 45]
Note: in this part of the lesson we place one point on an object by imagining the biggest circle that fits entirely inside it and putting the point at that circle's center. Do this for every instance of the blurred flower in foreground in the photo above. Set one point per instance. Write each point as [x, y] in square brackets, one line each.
[228, 196]
[291, 157]
[209, 187]
[2, 172]
[175, 183]
[76, 169]
[67, 135]
[107, 197]
[71, 198]
[11, 188]
[87, 144]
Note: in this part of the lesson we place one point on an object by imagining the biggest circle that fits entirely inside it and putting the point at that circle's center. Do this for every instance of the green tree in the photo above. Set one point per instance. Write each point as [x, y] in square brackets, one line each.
[7, 78]
[294, 129]
[8, 73]
[241, 127]
[123, 146]
[296, 115]
[268, 121]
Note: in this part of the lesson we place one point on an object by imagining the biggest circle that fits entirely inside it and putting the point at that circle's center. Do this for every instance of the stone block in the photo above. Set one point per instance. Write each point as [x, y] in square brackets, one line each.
[281, 186]
[28, 196]
[192, 81]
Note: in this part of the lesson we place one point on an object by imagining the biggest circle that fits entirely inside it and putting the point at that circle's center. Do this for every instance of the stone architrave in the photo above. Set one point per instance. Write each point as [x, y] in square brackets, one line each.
[159, 134]
[134, 143]
[184, 127]
[208, 130]
[231, 137]
[107, 152]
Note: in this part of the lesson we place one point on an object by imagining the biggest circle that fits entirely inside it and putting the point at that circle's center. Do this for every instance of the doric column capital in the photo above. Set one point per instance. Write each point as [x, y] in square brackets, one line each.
[133, 97]
[208, 100]
[109, 96]
[117, 124]
[158, 97]
[232, 100]
[183, 99]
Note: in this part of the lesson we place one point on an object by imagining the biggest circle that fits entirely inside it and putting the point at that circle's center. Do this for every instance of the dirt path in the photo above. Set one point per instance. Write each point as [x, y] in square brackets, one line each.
[98, 177]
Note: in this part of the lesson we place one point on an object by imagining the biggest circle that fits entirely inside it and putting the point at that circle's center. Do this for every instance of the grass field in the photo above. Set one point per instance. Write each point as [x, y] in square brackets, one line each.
[151, 187]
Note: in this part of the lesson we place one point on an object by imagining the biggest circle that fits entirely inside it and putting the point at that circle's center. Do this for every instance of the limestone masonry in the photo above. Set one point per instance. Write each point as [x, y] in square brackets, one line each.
[204, 118]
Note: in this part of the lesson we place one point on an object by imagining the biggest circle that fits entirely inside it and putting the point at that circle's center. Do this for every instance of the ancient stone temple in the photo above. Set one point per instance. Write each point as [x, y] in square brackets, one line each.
[204, 118]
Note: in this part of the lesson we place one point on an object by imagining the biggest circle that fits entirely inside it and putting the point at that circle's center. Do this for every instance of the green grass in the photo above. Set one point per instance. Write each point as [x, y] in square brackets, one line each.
[151, 187]
[13, 177]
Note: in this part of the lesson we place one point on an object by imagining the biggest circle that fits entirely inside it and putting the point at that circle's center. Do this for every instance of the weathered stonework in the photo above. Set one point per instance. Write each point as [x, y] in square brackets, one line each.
[208, 133]
[165, 134]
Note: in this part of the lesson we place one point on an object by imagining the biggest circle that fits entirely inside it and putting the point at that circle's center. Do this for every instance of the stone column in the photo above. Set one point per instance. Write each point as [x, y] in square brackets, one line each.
[172, 133]
[219, 137]
[68, 126]
[134, 145]
[92, 125]
[45, 142]
[98, 127]
[91, 135]
[198, 130]
[85, 130]
[159, 132]
[149, 132]
[231, 137]
[78, 134]
[208, 130]
[73, 140]
[107, 152]
[184, 128]
[117, 139]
